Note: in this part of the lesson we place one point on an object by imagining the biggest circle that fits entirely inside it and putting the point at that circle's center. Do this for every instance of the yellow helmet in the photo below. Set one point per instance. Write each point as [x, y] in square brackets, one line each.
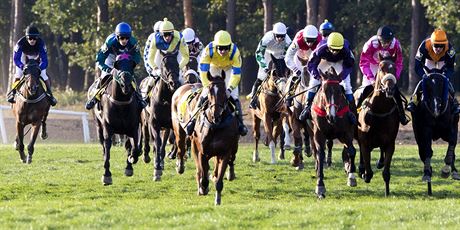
[222, 38]
[335, 41]
[439, 37]
[166, 26]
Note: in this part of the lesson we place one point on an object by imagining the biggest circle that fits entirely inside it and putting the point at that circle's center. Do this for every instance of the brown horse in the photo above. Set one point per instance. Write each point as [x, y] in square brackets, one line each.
[32, 108]
[330, 121]
[271, 109]
[215, 135]
[378, 123]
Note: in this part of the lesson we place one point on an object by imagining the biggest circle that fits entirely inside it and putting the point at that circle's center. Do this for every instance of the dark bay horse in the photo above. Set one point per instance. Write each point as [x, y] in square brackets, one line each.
[119, 112]
[271, 109]
[330, 121]
[159, 109]
[378, 123]
[32, 108]
[216, 135]
[433, 119]
[191, 71]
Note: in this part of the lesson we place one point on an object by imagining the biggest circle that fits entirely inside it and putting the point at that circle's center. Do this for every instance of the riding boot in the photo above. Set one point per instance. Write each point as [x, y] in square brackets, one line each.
[95, 99]
[402, 116]
[51, 98]
[292, 84]
[455, 106]
[239, 114]
[414, 98]
[255, 87]
[351, 114]
[306, 112]
[12, 93]
[191, 124]
[364, 94]
[142, 102]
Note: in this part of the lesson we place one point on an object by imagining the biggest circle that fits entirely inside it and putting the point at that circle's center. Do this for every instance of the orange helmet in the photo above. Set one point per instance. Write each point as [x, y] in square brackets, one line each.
[439, 37]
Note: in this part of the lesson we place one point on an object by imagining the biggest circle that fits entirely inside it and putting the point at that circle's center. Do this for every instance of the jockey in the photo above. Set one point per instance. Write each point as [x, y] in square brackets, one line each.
[148, 68]
[31, 46]
[325, 29]
[221, 55]
[385, 44]
[119, 42]
[274, 42]
[435, 53]
[195, 46]
[167, 41]
[299, 53]
[333, 54]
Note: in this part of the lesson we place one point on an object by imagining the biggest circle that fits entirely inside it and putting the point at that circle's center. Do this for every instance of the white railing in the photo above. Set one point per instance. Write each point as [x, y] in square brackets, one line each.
[83, 115]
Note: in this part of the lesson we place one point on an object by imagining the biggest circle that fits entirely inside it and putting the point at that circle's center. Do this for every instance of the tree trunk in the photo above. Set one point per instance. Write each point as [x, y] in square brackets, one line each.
[312, 12]
[323, 11]
[231, 8]
[102, 19]
[268, 15]
[188, 17]
[76, 79]
[417, 15]
[16, 30]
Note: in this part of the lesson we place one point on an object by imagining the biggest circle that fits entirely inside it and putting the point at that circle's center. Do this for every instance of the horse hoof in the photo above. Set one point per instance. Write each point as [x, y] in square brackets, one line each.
[44, 136]
[307, 152]
[320, 192]
[426, 178]
[379, 164]
[255, 157]
[147, 159]
[300, 166]
[29, 160]
[203, 191]
[157, 174]
[455, 176]
[329, 164]
[172, 155]
[445, 171]
[231, 175]
[129, 172]
[352, 182]
[281, 156]
[218, 199]
[287, 147]
[273, 162]
[106, 180]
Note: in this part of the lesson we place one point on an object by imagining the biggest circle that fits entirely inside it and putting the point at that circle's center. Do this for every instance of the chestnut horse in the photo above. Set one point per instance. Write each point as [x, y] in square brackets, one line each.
[32, 108]
[329, 121]
[433, 119]
[119, 112]
[378, 123]
[270, 109]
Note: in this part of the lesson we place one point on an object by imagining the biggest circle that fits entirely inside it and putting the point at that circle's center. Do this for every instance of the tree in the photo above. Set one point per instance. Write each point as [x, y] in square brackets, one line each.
[5, 12]
[16, 29]
[416, 37]
[312, 12]
[268, 15]
[231, 24]
[188, 17]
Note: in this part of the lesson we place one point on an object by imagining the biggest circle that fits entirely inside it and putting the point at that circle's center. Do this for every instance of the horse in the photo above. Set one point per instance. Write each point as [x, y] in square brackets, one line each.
[159, 110]
[191, 71]
[215, 135]
[119, 112]
[271, 109]
[433, 119]
[330, 121]
[378, 123]
[32, 108]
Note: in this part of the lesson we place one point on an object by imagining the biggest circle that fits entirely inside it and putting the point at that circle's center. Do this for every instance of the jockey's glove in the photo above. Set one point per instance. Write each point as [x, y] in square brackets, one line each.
[298, 73]
[107, 69]
[266, 70]
[156, 71]
[229, 92]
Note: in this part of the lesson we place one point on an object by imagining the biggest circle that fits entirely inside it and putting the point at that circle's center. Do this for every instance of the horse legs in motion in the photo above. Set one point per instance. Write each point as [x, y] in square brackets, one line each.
[160, 146]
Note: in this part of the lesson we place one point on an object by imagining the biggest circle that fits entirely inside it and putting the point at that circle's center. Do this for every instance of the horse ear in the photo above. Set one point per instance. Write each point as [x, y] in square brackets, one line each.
[380, 56]
[209, 76]
[223, 74]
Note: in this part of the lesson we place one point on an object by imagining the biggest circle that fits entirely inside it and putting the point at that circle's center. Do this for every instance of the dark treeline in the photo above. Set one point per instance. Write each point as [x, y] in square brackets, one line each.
[74, 30]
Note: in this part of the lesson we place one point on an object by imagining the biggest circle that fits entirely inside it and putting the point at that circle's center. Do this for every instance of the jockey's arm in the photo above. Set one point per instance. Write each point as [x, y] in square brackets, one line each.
[17, 57]
[290, 55]
[43, 56]
[148, 68]
[137, 54]
[100, 59]
[205, 63]
[399, 60]
[419, 60]
[313, 65]
[348, 63]
[236, 71]
[448, 67]
[365, 61]
[151, 54]
[183, 49]
[260, 55]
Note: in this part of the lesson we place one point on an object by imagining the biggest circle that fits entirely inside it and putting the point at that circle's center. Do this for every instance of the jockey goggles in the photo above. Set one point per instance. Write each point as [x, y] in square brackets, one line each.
[30, 38]
[167, 34]
[123, 38]
[310, 40]
[280, 36]
[223, 48]
[438, 45]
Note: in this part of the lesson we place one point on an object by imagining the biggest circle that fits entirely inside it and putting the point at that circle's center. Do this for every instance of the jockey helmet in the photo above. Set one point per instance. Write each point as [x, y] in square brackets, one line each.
[326, 28]
[385, 34]
[123, 29]
[222, 38]
[156, 26]
[166, 26]
[279, 28]
[189, 35]
[335, 41]
[32, 31]
[310, 31]
[439, 37]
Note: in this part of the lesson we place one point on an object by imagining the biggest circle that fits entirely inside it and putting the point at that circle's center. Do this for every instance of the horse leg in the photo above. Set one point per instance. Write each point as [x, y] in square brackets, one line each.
[146, 141]
[107, 177]
[221, 165]
[380, 161]
[278, 132]
[129, 145]
[256, 134]
[287, 136]
[172, 139]
[33, 138]
[204, 181]
[329, 144]
[20, 141]
[158, 170]
[307, 143]
[296, 161]
[44, 134]
[180, 143]
[365, 156]
[198, 167]
[449, 161]
[350, 164]
[268, 125]
[231, 167]
[320, 187]
[386, 170]
[164, 142]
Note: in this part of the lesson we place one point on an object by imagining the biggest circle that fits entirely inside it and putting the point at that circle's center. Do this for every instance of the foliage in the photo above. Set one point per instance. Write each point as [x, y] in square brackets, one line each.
[62, 189]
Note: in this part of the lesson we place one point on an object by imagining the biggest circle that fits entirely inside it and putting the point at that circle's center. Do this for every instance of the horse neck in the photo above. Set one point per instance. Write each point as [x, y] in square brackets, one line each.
[116, 92]
[162, 91]
[25, 92]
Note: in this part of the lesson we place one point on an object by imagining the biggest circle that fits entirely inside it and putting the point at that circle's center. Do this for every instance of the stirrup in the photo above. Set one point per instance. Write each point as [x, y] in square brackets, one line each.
[411, 107]
[190, 128]
[90, 104]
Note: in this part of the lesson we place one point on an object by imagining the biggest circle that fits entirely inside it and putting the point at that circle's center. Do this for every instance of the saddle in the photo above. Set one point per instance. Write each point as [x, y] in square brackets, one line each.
[185, 101]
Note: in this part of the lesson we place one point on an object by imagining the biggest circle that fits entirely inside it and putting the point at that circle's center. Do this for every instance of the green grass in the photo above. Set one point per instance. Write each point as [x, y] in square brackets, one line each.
[62, 189]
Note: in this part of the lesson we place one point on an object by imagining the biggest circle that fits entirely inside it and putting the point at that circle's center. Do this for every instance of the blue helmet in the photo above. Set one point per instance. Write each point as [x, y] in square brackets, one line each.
[326, 28]
[123, 29]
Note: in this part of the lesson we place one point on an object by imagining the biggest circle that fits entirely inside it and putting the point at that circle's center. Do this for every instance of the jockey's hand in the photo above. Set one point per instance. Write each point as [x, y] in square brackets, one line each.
[156, 71]
[298, 73]
[266, 70]
[229, 92]
[107, 69]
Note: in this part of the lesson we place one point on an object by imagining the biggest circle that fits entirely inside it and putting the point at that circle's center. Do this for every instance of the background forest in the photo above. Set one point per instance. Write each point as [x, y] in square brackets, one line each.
[74, 29]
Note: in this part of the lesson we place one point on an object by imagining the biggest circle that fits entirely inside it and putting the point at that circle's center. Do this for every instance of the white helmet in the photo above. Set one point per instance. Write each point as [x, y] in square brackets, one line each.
[310, 31]
[156, 26]
[189, 35]
[279, 28]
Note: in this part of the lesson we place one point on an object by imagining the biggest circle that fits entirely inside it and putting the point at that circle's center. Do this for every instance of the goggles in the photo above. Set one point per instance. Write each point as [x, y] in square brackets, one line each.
[223, 48]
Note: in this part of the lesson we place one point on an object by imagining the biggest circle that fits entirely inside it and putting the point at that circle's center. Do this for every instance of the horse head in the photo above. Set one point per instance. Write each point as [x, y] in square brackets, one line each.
[278, 73]
[124, 74]
[32, 77]
[435, 93]
[385, 81]
[170, 71]
[331, 96]
[191, 74]
[217, 98]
